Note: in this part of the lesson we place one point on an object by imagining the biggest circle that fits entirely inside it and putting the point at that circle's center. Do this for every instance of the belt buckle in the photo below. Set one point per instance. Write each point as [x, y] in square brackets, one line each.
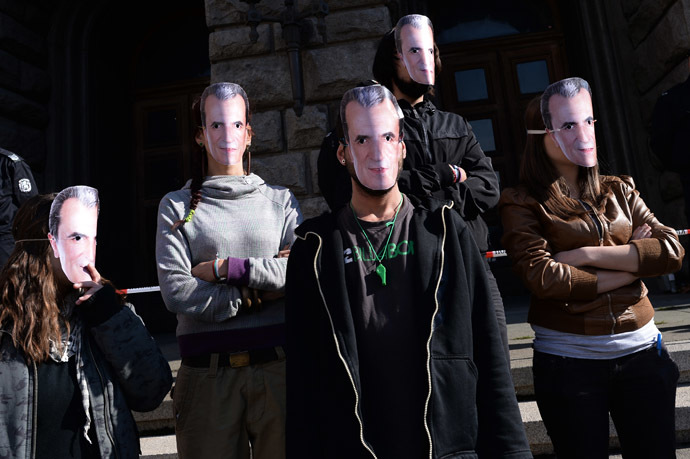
[239, 359]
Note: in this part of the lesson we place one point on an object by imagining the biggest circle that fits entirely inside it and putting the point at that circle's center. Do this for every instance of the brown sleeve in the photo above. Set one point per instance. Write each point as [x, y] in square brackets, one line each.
[531, 253]
[660, 254]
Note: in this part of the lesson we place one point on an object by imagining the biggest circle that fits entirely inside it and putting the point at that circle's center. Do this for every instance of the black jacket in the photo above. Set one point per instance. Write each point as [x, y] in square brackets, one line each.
[472, 406]
[124, 370]
[434, 139]
[17, 184]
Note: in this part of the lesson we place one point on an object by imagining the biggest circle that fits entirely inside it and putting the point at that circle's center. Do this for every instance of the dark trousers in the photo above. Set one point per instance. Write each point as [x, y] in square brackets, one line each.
[499, 309]
[575, 397]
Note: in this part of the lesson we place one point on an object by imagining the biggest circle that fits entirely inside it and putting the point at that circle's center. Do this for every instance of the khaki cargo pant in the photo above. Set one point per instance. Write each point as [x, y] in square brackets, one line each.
[223, 412]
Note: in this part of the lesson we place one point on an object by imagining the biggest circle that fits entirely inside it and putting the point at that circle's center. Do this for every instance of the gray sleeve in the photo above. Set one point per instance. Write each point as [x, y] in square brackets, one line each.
[269, 273]
[182, 292]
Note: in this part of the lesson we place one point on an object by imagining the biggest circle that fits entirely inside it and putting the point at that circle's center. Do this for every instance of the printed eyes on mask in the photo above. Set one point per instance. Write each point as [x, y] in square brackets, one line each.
[570, 126]
[237, 125]
[388, 138]
[419, 50]
[79, 239]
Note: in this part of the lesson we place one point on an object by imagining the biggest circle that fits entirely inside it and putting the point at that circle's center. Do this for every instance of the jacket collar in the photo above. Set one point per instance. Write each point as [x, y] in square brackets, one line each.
[425, 107]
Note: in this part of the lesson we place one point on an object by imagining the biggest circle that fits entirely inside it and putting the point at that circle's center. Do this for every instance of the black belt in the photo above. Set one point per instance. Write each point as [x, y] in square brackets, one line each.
[236, 359]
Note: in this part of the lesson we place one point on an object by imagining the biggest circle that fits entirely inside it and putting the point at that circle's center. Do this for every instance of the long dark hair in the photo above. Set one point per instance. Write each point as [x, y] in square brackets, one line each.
[29, 292]
[222, 91]
[543, 181]
[199, 166]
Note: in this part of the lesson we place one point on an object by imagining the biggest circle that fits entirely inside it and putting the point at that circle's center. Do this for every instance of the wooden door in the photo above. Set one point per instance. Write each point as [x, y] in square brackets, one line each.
[490, 84]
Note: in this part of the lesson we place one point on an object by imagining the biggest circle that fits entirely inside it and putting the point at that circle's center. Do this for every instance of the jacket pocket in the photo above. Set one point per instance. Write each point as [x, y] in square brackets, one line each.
[452, 415]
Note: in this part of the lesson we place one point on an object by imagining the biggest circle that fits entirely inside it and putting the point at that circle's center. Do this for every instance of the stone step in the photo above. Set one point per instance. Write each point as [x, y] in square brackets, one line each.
[521, 366]
[157, 427]
[161, 418]
[682, 452]
[164, 447]
[159, 447]
[541, 444]
[158, 420]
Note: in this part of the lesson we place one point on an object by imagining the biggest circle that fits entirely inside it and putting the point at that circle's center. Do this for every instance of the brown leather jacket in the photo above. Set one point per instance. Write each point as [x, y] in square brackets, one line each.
[564, 297]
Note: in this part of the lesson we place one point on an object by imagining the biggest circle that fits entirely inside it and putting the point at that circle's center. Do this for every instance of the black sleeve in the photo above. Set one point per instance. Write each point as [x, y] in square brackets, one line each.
[102, 305]
[474, 196]
[23, 183]
[139, 367]
[480, 192]
[334, 180]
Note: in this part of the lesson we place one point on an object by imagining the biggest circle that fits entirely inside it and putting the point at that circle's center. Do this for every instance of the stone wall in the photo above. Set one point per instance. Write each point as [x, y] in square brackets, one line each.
[24, 82]
[659, 34]
[285, 147]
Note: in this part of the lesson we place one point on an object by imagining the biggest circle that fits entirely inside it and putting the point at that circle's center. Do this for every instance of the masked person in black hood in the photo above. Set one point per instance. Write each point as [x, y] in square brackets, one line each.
[395, 350]
[444, 158]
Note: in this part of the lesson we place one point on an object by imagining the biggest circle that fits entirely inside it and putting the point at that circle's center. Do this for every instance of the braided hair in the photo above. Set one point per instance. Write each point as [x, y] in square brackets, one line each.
[222, 91]
[199, 164]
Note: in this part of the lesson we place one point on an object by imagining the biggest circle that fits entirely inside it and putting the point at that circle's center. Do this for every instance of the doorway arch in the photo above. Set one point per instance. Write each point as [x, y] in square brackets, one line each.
[118, 67]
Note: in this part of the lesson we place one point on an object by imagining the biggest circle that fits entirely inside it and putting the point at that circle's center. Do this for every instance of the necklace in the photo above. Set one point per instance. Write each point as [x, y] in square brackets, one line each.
[380, 269]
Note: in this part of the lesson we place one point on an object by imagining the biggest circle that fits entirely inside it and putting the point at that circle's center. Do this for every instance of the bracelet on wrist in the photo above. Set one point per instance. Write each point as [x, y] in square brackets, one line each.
[455, 172]
[215, 269]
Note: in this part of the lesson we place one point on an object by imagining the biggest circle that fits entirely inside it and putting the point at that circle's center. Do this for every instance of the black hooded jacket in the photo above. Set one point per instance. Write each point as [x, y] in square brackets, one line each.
[434, 139]
[471, 407]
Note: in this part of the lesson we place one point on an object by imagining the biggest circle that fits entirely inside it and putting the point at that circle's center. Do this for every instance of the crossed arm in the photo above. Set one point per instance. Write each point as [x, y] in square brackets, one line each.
[614, 265]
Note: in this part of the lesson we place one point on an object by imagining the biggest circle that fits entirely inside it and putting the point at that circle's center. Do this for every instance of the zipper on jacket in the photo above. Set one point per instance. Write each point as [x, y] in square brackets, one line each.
[34, 411]
[599, 225]
[431, 331]
[108, 428]
[337, 346]
[425, 137]
[613, 318]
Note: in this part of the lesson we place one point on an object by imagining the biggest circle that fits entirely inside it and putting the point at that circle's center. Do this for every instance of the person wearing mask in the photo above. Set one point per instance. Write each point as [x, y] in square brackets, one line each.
[580, 242]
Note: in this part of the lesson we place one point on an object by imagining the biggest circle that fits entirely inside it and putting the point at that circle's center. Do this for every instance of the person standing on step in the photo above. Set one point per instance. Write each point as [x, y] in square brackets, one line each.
[581, 242]
[221, 251]
[395, 350]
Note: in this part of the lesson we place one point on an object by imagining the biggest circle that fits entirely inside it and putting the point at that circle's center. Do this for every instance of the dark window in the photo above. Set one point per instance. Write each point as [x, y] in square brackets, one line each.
[471, 85]
[533, 77]
[484, 130]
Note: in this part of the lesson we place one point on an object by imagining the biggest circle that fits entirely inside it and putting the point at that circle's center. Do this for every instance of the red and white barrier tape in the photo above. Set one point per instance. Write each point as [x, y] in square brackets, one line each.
[128, 291]
[491, 254]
